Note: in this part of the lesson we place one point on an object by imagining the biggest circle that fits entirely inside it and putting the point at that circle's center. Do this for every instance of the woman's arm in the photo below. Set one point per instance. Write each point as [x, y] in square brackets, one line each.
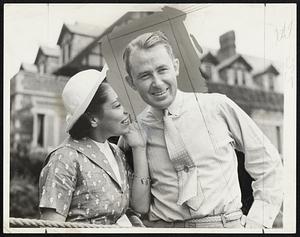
[140, 190]
[51, 215]
[56, 184]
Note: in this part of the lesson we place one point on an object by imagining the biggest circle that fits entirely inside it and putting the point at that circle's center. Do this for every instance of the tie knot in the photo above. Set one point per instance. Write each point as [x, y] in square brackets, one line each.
[166, 112]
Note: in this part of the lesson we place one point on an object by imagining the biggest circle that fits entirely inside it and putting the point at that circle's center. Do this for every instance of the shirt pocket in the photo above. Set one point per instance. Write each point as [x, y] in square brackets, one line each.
[221, 139]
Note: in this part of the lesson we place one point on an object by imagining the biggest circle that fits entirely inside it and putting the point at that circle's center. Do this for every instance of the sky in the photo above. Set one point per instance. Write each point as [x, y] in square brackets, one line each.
[260, 30]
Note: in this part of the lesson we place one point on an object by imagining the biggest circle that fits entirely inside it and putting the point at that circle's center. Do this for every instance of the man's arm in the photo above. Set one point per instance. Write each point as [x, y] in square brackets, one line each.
[262, 162]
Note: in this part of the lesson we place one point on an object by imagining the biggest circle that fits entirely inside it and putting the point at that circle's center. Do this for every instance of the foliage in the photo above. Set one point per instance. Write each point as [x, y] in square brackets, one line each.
[25, 167]
[23, 197]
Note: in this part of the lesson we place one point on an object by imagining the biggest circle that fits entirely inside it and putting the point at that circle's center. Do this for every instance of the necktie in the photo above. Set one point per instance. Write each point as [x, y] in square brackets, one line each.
[178, 154]
[183, 164]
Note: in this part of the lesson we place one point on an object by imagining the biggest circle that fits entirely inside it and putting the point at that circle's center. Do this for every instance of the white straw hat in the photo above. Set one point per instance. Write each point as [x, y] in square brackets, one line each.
[79, 92]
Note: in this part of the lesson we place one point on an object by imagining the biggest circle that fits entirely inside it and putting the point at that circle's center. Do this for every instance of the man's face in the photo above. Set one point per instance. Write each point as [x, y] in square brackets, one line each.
[154, 75]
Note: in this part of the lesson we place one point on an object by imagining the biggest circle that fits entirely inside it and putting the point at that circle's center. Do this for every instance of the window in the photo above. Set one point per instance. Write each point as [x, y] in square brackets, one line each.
[208, 70]
[278, 133]
[223, 75]
[100, 54]
[87, 59]
[40, 129]
[66, 52]
[271, 82]
[236, 79]
[42, 69]
[243, 78]
[69, 50]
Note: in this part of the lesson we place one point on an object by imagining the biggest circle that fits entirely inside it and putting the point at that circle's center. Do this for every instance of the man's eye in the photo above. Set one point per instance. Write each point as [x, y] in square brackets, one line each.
[162, 70]
[145, 76]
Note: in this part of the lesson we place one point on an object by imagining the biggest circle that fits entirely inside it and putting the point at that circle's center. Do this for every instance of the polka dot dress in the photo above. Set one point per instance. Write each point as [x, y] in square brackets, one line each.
[78, 182]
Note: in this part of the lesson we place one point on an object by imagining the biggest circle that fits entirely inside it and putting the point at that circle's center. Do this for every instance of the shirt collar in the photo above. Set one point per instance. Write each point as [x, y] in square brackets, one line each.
[175, 109]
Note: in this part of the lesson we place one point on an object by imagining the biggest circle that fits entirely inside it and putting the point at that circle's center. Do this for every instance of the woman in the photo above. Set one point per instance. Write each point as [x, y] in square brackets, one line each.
[85, 179]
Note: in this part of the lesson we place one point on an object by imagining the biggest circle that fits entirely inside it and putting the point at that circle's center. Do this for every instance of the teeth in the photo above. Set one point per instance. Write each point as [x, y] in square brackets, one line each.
[159, 93]
[126, 121]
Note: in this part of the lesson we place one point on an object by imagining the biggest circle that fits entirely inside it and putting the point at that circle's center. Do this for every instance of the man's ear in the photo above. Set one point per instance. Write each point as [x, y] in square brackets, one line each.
[130, 82]
[176, 65]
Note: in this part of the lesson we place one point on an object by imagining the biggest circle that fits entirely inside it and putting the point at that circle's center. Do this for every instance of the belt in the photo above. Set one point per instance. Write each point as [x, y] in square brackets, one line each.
[224, 218]
[215, 220]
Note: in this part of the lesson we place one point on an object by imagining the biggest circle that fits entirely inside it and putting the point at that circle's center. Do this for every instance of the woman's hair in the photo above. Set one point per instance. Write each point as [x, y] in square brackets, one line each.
[82, 126]
[146, 41]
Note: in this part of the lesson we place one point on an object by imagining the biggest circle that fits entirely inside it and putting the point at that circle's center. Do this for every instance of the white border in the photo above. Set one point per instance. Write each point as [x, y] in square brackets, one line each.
[289, 151]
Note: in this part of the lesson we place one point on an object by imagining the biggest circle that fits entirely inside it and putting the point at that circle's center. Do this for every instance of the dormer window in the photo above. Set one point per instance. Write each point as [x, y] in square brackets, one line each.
[42, 68]
[244, 78]
[236, 79]
[66, 52]
[271, 82]
[239, 77]
[208, 70]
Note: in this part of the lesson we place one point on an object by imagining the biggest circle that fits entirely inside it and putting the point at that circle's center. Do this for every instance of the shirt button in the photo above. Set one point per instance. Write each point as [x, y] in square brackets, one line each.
[186, 168]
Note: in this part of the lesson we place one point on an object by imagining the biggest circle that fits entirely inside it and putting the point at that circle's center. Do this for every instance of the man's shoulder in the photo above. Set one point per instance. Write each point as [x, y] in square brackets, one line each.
[206, 99]
[211, 96]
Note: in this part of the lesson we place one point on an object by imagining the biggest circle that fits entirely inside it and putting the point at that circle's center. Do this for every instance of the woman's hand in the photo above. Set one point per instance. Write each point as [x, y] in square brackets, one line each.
[134, 137]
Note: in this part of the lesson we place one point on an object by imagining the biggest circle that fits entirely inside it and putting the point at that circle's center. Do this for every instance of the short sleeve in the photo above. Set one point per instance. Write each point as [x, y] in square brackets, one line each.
[58, 181]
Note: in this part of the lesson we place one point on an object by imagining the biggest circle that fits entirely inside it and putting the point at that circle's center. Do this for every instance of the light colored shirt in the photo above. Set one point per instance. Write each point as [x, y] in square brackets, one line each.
[105, 149]
[212, 127]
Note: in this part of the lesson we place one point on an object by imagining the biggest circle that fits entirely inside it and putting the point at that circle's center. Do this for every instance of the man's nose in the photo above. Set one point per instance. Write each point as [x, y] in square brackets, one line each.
[157, 81]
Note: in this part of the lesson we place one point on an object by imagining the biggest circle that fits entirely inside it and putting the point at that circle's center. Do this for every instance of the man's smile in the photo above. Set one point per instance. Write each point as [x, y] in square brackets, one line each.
[160, 92]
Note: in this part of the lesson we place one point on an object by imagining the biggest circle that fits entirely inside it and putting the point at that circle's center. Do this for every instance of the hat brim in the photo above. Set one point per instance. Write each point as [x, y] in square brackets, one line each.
[86, 102]
[81, 109]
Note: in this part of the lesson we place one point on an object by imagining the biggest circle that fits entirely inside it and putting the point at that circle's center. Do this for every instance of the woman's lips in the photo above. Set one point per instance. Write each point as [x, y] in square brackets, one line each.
[126, 121]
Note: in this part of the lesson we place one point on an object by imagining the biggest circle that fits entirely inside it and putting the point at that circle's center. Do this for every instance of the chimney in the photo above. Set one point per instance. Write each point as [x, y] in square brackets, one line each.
[227, 45]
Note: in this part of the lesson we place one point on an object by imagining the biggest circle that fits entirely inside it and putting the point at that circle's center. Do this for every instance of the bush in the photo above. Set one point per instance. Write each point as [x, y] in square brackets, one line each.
[25, 168]
[23, 197]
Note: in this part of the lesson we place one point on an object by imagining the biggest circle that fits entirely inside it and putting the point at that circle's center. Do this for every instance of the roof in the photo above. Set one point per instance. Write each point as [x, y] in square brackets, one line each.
[28, 67]
[228, 61]
[208, 57]
[48, 51]
[258, 64]
[249, 99]
[81, 29]
[270, 68]
[51, 51]
[85, 29]
[64, 68]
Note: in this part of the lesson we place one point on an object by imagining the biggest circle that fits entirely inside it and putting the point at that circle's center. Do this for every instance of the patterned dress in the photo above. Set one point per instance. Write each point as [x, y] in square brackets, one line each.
[78, 182]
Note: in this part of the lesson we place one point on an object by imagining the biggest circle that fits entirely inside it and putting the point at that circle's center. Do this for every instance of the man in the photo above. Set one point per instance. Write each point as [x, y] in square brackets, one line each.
[199, 187]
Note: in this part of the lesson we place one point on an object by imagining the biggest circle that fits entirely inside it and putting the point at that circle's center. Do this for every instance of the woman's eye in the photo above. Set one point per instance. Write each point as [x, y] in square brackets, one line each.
[117, 105]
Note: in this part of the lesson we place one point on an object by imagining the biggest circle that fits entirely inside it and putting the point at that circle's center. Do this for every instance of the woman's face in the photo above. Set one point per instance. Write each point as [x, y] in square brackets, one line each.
[113, 121]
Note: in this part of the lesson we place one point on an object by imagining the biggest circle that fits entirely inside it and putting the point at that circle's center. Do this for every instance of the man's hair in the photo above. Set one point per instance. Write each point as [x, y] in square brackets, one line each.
[82, 126]
[146, 41]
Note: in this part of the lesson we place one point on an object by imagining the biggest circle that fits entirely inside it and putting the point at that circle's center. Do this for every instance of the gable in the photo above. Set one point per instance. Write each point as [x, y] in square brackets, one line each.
[210, 59]
[65, 34]
[269, 69]
[234, 60]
